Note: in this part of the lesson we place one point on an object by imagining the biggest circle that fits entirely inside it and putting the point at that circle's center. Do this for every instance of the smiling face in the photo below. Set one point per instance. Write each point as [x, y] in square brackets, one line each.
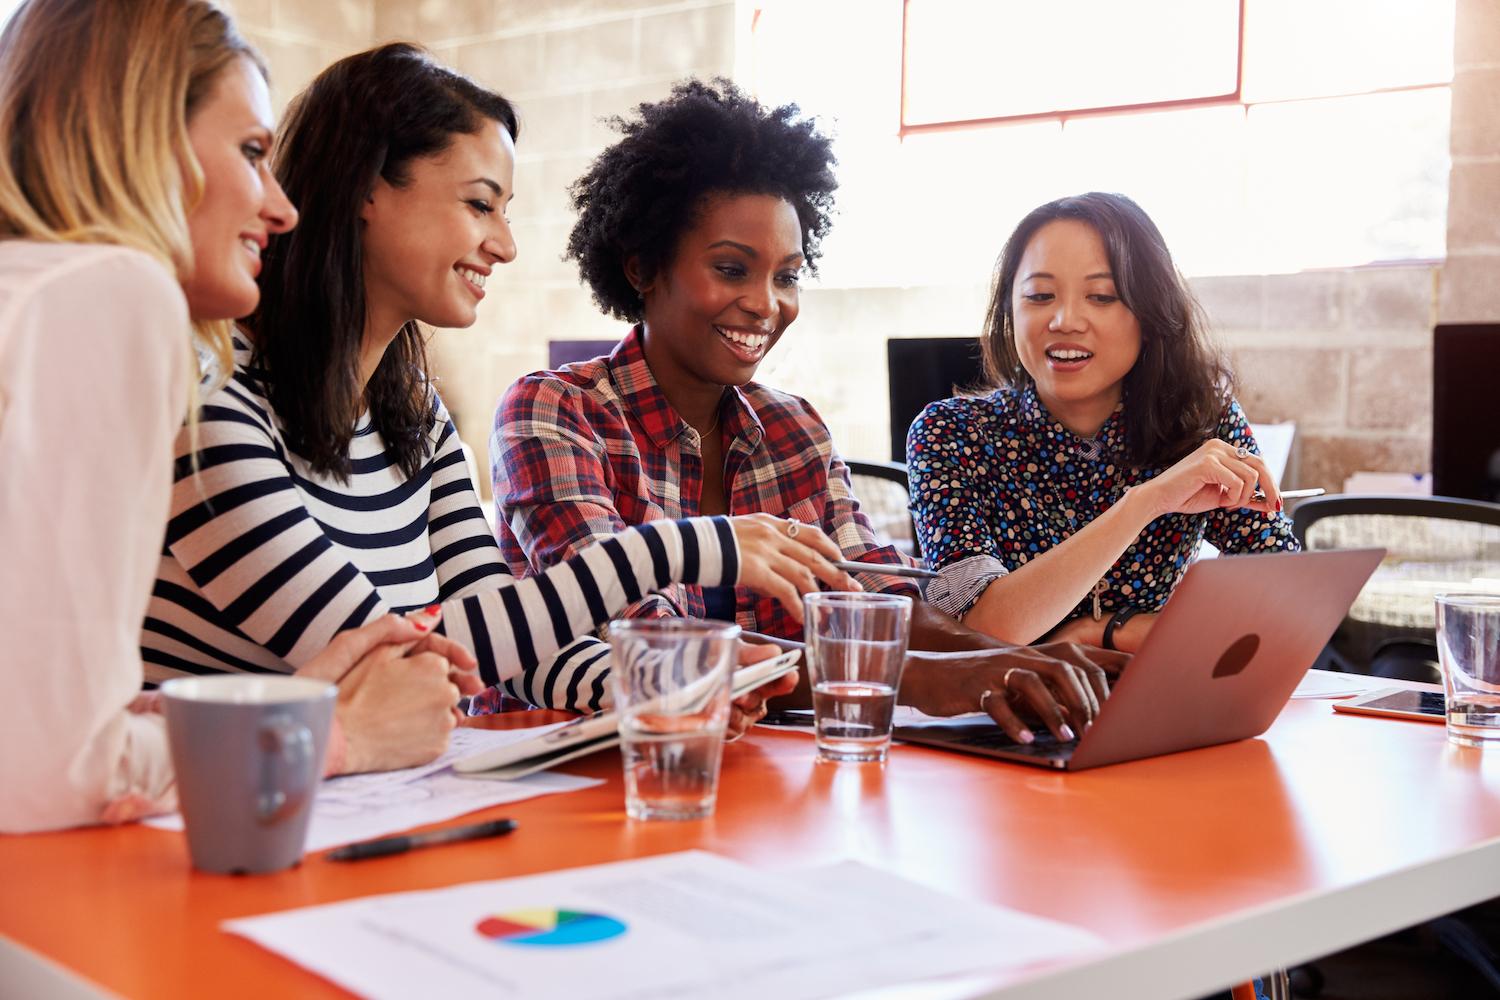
[430, 243]
[1074, 336]
[242, 205]
[728, 292]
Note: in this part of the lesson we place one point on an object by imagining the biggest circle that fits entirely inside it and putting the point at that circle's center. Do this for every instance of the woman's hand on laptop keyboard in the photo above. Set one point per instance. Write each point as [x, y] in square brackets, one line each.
[1060, 684]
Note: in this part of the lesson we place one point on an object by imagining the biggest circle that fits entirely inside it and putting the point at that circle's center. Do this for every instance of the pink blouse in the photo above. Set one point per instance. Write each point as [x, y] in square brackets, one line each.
[94, 375]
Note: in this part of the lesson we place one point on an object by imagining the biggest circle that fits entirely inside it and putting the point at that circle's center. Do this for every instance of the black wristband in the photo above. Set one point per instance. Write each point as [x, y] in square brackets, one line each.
[1117, 619]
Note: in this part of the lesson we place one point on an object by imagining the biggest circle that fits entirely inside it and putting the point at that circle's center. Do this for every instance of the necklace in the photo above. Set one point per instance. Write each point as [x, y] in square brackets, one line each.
[718, 415]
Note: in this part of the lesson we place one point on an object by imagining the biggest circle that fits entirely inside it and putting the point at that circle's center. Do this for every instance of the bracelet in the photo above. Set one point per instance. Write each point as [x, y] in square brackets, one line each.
[1117, 619]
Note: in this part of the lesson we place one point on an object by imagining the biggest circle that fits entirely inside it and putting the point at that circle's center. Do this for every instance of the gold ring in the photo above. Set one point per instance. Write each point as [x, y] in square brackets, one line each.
[792, 524]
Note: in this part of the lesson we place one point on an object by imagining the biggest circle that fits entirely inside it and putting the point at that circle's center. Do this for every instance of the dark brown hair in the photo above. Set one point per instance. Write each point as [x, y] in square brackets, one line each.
[365, 117]
[1176, 393]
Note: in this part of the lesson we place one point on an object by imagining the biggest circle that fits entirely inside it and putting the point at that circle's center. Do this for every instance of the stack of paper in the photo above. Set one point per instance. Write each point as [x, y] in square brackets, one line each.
[680, 925]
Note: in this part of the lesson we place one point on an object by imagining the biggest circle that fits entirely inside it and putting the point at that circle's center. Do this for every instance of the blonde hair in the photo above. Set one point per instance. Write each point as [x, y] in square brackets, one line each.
[95, 99]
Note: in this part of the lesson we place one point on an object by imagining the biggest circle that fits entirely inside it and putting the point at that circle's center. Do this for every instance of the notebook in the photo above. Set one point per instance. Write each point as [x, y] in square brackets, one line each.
[596, 732]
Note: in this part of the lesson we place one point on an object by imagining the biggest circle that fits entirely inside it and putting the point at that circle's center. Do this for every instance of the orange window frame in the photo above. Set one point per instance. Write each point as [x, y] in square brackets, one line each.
[1232, 97]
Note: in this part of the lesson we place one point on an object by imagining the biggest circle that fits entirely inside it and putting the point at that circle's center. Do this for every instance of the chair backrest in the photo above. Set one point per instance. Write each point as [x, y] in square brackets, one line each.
[1433, 545]
[884, 497]
[1410, 528]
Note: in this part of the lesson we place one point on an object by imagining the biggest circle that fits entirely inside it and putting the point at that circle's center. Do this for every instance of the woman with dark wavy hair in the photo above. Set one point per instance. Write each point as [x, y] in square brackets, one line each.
[330, 484]
[1070, 500]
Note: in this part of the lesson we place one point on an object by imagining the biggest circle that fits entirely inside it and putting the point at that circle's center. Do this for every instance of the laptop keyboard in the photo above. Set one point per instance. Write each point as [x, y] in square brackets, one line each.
[1046, 745]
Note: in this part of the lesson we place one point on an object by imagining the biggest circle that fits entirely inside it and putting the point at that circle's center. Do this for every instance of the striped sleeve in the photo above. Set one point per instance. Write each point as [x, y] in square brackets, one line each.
[264, 555]
[542, 614]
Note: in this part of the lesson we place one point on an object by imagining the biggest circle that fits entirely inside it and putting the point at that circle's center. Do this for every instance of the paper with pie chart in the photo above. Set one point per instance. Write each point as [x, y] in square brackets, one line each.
[669, 927]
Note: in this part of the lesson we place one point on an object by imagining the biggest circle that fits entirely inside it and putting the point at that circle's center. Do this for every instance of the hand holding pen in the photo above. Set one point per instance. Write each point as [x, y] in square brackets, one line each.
[1215, 475]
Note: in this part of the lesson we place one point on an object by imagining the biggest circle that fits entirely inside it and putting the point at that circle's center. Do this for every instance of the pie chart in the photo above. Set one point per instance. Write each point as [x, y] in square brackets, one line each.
[548, 928]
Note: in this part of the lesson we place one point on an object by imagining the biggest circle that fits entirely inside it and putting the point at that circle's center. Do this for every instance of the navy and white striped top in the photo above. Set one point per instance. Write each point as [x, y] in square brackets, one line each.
[266, 561]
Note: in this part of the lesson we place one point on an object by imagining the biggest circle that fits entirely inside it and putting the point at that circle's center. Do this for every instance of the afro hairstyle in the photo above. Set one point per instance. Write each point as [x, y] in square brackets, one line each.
[708, 138]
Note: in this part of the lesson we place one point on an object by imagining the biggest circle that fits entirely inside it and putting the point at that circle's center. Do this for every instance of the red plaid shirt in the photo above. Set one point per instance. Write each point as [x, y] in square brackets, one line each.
[581, 453]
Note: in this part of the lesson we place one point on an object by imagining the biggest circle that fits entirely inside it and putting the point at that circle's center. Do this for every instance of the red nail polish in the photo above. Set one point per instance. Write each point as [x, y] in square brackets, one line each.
[1278, 505]
[432, 609]
[420, 625]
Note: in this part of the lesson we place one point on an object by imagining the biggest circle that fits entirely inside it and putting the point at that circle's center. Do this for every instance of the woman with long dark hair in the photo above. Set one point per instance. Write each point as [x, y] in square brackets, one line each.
[1070, 500]
[330, 484]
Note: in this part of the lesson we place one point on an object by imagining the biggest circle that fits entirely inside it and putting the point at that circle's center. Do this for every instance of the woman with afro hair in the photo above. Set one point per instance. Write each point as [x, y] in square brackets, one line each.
[696, 227]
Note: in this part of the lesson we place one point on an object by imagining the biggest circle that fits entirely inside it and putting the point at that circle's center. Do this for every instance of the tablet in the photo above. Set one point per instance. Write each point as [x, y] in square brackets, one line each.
[1398, 703]
[596, 732]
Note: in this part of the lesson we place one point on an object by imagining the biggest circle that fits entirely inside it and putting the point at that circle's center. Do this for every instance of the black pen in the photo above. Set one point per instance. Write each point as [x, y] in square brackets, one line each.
[411, 841]
[794, 717]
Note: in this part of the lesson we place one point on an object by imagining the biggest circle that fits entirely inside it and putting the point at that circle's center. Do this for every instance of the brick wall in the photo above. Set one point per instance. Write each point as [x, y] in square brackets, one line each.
[300, 37]
[1471, 274]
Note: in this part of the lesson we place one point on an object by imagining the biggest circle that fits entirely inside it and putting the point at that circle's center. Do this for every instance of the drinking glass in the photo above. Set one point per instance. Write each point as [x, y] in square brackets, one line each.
[856, 647]
[1468, 640]
[671, 682]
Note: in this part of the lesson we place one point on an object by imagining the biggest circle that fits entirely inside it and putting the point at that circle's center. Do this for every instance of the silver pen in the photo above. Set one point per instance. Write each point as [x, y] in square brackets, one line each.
[1316, 491]
[886, 569]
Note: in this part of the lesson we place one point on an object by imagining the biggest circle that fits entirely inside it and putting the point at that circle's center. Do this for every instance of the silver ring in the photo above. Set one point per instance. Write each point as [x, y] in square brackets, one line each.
[1242, 452]
[792, 526]
[984, 699]
[1005, 680]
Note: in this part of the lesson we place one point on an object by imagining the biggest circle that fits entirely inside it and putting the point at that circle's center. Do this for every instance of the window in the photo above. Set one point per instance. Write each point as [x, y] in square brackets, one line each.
[1009, 59]
[1328, 147]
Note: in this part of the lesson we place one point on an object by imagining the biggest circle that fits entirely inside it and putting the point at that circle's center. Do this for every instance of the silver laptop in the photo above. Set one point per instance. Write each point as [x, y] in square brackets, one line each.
[1219, 664]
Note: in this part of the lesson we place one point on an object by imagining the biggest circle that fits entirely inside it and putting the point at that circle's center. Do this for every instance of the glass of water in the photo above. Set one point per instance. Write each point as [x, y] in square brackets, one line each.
[671, 683]
[1468, 640]
[856, 646]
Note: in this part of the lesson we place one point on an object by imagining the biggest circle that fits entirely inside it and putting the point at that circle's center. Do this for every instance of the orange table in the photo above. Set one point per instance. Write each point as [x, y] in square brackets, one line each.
[1199, 869]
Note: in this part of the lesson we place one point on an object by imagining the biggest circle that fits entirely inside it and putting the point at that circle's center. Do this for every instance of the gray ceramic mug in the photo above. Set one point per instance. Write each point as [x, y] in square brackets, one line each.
[248, 752]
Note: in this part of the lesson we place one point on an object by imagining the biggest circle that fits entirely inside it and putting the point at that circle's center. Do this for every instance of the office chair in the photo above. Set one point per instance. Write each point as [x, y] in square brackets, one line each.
[884, 496]
[1433, 545]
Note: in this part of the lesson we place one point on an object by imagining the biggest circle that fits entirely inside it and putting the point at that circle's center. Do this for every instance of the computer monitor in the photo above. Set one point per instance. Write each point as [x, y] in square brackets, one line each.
[1465, 428]
[921, 370]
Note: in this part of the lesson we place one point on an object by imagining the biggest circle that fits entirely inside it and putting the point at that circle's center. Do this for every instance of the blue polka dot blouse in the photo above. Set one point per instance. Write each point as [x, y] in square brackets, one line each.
[996, 481]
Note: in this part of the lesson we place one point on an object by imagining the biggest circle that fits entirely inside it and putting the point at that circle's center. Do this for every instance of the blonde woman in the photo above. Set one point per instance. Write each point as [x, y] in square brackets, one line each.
[134, 201]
